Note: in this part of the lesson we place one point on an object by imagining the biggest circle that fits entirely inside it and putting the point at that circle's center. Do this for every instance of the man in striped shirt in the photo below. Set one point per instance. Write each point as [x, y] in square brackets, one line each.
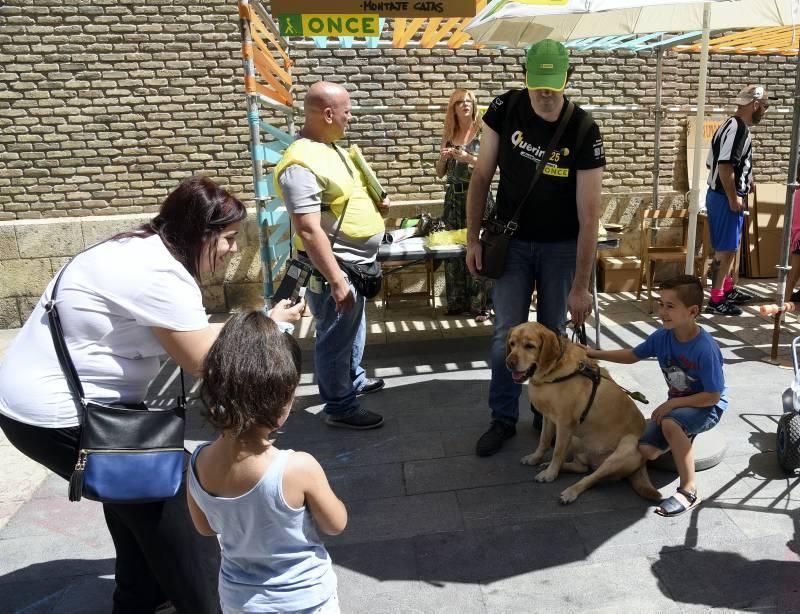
[730, 163]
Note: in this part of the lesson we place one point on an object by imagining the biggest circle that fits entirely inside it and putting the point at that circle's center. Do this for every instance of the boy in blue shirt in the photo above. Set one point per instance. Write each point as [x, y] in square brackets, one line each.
[691, 362]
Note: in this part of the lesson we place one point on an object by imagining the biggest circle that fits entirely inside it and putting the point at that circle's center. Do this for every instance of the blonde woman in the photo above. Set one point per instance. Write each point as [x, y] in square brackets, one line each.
[457, 155]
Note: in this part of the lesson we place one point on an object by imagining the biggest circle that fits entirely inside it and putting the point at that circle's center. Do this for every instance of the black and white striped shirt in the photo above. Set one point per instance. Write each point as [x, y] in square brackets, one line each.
[731, 143]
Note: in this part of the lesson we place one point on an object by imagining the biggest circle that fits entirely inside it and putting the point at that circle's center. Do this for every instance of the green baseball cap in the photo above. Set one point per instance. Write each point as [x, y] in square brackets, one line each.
[546, 66]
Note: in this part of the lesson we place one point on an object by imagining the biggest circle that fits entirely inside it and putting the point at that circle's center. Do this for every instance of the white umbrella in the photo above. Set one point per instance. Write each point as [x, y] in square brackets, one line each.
[520, 23]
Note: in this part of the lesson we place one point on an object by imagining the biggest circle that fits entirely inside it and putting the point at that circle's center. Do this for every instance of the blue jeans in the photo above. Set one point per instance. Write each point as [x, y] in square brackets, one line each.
[338, 349]
[693, 421]
[550, 269]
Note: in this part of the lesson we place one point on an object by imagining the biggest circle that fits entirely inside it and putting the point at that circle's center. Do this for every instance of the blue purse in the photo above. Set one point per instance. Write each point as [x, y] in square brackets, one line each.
[127, 453]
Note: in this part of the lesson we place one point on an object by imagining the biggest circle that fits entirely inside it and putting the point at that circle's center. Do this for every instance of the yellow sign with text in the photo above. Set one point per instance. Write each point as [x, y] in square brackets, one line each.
[329, 25]
[387, 8]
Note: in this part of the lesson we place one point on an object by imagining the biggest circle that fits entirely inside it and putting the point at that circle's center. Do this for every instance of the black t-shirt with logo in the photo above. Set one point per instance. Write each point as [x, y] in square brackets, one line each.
[551, 213]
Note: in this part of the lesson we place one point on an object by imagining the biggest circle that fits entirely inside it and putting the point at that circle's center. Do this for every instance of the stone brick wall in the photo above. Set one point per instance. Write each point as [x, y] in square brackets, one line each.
[105, 105]
[32, 252]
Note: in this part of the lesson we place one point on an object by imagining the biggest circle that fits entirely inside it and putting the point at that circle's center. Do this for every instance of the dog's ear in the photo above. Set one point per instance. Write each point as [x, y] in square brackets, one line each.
[508, 338]
[551, 349]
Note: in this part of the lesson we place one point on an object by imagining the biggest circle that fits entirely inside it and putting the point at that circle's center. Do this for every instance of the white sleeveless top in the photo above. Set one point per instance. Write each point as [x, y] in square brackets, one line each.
[272, 557]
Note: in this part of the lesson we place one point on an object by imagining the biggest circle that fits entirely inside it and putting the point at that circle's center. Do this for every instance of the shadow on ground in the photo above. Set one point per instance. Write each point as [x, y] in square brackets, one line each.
[433, 528]
[64, 586]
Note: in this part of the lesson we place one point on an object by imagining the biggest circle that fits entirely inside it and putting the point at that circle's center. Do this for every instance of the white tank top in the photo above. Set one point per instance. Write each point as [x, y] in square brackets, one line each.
[272, 557]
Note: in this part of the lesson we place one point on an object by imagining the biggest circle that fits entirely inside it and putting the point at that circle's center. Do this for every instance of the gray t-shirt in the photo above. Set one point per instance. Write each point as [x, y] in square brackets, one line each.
[301, 194]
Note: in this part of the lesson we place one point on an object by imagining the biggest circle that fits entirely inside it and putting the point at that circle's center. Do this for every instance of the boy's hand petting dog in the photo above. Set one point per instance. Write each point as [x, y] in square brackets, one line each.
[590, 352]
[662, 410]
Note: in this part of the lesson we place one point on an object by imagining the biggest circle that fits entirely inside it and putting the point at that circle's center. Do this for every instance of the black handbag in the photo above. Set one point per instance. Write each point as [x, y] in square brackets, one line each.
[128, 453]
[496, 234]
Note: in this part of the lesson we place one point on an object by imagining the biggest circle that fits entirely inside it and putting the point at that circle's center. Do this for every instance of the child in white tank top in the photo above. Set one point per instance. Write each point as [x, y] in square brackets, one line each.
[265, 505]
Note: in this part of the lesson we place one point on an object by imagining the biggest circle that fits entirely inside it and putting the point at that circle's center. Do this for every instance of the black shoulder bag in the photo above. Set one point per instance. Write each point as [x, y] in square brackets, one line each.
[128, 454]
[496, 236]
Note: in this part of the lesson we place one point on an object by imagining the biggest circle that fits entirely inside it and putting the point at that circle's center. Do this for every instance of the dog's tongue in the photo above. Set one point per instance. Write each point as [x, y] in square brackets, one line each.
[519, 376]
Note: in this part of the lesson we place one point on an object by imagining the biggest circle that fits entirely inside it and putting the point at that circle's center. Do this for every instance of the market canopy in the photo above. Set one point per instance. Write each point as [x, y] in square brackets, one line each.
[757, 41]
[525, 22]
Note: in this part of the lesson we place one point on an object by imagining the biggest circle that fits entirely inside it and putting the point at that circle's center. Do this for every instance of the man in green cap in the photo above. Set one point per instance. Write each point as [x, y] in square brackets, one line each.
[553, 222]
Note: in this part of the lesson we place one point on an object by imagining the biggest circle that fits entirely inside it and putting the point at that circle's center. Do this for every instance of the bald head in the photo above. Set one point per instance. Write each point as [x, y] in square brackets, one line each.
[327, 112]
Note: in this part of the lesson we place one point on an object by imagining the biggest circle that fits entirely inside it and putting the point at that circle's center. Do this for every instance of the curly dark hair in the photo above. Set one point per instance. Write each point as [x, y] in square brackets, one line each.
[250, 374]
[194, 214]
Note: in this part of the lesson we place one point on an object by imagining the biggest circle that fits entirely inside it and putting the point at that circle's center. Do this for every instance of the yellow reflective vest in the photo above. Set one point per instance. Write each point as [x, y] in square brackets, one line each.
[338, 186]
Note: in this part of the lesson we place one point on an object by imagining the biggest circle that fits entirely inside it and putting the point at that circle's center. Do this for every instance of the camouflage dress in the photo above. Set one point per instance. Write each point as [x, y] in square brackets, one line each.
[465, 294]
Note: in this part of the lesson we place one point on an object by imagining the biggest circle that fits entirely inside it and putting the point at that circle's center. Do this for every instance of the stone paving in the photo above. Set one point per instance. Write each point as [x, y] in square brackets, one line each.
[433, 528]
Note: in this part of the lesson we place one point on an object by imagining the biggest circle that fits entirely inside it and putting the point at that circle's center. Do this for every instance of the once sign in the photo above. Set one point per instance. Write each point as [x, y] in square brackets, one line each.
[386, 8]
[329, 25]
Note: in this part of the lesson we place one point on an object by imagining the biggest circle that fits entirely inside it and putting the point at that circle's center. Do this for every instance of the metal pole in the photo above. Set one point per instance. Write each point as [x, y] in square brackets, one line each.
[659, 114]
[791, 186]
[694, 202]
[254, 124]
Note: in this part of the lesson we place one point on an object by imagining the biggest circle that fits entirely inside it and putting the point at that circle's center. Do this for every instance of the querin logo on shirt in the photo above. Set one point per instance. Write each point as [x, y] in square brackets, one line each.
[535, 153]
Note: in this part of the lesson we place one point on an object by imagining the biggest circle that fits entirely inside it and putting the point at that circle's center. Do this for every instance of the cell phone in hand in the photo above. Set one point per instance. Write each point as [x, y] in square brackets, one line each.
[295, 280]
[301, 294]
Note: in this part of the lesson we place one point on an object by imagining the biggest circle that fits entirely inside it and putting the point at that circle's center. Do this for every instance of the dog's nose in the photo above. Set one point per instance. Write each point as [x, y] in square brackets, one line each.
[511, 362]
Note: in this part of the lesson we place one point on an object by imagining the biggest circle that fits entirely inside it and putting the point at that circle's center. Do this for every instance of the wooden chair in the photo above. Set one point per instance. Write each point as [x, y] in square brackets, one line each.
[651, 255]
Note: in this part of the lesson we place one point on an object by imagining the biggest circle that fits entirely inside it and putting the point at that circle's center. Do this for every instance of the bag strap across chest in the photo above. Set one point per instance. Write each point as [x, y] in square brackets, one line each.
[512, 225]
[62, 351]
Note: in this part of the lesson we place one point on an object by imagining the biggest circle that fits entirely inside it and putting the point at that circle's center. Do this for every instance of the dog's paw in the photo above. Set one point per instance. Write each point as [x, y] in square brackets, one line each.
[531, 459]
[546, 476]
[568, 496]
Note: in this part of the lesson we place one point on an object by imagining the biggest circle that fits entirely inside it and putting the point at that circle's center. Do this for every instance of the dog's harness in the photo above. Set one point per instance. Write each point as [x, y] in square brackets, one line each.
[593, 373]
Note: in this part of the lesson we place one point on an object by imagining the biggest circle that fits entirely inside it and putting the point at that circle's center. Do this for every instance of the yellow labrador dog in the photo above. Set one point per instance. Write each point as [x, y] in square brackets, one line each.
[596, 424]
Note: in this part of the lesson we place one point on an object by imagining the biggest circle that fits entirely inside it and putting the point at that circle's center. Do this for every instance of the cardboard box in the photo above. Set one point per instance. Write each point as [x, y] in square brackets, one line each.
[618, 274]
[764, 235]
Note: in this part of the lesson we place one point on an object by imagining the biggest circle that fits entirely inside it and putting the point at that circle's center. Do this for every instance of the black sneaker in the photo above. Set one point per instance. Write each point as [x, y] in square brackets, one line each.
[492, 440]
[371, 385]
[362, 420]
[738, 297]
[795, 297]
[723, 308]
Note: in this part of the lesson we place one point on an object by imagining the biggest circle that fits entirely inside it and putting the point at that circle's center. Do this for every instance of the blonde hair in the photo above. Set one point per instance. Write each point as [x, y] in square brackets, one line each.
[450, 121]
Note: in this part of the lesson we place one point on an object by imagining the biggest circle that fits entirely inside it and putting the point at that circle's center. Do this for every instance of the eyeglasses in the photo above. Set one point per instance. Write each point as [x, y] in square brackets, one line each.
[460, 103]
[764, 104]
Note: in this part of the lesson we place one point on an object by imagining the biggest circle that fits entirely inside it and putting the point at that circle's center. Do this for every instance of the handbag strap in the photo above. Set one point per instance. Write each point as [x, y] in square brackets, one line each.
[62, 351]
[511, 225]
[344, 211]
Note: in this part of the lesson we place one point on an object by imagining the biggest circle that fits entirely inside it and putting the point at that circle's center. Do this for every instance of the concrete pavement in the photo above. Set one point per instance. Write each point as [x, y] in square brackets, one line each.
[435, 529]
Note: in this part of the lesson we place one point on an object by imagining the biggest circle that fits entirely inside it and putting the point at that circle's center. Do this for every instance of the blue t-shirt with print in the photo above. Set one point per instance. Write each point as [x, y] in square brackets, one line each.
[688, 368]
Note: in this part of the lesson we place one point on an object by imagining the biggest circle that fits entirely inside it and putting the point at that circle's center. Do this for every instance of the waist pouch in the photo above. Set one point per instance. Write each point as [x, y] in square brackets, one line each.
[367, 279]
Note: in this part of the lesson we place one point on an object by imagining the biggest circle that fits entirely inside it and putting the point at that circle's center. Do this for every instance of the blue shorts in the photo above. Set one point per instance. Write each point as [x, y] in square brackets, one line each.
[725, 226]
[692, 420]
